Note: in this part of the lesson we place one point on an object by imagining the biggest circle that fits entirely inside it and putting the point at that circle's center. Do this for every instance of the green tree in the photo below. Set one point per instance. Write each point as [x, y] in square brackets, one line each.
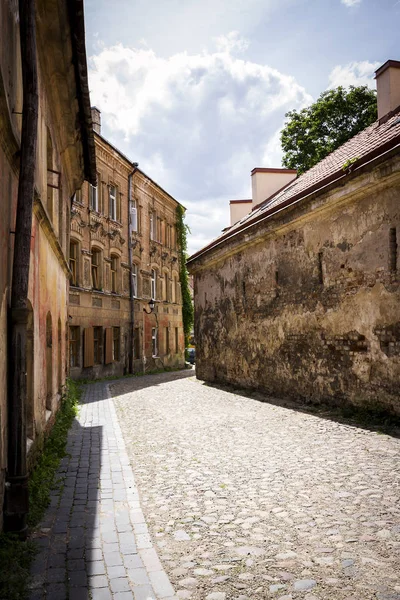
[187, 305]
[312, 133]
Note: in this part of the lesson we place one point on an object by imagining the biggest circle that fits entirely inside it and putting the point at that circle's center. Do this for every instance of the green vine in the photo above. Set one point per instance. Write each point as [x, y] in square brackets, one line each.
[187, 306]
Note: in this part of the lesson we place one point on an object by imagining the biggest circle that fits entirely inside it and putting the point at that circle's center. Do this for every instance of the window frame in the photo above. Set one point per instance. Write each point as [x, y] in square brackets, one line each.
[97, 266]
[94, 197]
[73, 258]
[154, 342]
[74, 346]
[97, 341]
[116, 344]
[134, 216]
[112, 202]
[135, 280]
[114, 273]
[153, 284]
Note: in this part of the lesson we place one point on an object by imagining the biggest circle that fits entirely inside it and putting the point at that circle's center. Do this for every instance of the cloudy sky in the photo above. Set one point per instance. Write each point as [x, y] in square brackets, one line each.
[196, 92]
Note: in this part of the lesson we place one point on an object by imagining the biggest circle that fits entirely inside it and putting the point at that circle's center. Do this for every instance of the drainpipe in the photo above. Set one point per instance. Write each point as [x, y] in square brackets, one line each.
[130, 249]
[16, 494]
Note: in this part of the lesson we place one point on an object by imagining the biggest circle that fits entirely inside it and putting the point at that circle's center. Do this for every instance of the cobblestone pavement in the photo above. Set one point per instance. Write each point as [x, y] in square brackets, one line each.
[93, 541]
[246, 500]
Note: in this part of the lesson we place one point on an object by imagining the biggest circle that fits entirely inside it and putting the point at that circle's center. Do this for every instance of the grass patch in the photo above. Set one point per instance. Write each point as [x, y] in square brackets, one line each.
[16, 556]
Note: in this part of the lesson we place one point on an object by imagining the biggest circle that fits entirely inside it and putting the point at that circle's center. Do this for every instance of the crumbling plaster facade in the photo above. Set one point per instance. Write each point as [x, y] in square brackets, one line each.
[305, 305]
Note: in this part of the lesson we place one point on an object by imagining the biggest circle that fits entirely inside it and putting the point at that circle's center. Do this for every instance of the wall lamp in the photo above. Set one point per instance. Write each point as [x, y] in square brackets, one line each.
[151, 307]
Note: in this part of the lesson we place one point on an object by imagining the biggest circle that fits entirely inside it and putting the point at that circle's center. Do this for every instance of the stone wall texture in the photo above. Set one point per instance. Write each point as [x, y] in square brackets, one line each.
[306, 306]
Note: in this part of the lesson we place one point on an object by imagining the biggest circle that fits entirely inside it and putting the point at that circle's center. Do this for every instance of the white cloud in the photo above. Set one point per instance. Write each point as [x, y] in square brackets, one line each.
[354, 73]
[351, 3]
[196, 123]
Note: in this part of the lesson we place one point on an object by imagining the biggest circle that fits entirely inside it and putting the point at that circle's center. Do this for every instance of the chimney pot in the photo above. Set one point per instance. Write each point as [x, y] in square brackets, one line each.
[96, 119]
[388, 87]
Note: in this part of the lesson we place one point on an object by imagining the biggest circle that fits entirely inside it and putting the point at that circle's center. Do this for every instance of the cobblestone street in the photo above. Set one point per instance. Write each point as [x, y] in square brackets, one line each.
[247, 500]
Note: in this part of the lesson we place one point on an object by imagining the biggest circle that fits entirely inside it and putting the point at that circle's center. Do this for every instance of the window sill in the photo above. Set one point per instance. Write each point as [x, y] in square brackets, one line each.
[114, 222]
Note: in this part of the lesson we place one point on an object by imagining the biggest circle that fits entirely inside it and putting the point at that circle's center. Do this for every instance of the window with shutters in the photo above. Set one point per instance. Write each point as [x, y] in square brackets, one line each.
[88, 346]
[154, 342]
[116, 352]
[109, 346]
[134, 215]
[74, 335]
[135, 280]
[73, 261]
[96, 269]
[98, 345]
[176, 340]
[153, 284]
[113, 201]
[114, 273]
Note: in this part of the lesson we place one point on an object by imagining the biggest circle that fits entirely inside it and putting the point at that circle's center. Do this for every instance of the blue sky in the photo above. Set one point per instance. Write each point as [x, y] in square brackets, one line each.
[196, 92]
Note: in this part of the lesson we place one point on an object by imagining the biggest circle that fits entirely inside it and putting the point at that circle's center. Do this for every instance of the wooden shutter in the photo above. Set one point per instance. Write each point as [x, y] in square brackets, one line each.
[88, 347]
[109, 345]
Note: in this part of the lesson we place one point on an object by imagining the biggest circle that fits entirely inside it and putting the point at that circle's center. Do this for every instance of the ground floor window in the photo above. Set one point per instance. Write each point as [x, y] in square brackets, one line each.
[176, 340]
[74, 334]
[97, 345]
[154, 344]
[166, 340]
[136, 343]
[116, 343]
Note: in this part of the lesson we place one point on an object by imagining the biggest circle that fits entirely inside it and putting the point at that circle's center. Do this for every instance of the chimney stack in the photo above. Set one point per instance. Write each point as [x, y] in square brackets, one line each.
[96, 119]
[388, 87]
[266, 182]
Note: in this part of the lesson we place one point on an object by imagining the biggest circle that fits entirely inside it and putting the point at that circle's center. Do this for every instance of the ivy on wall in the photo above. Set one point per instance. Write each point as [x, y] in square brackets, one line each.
[187, 306]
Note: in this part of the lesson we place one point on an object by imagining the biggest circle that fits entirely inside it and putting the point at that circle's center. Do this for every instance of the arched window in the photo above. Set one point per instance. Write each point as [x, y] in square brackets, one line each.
[73, 261]
[96, 269]
[114, 273]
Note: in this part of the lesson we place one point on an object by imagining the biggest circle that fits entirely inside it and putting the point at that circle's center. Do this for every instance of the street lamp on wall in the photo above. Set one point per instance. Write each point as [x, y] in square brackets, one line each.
[151, 307]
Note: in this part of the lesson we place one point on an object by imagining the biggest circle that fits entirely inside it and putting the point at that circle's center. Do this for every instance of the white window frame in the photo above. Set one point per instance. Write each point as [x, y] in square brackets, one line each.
[153, 284]
[94, 198]
[134, 218]
[154, 342]
[113, 201]
[135, 280]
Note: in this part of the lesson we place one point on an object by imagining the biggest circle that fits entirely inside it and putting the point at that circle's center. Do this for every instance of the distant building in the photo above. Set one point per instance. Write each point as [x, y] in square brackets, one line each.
[64, 158]
[300, 296]
[123, 253]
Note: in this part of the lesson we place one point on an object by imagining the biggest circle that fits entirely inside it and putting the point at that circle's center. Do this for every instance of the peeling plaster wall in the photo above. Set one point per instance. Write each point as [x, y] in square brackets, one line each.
[308, 308]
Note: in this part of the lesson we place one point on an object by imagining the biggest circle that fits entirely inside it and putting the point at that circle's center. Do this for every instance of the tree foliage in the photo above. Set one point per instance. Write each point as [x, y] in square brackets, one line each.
[312, 133]
[187, 304]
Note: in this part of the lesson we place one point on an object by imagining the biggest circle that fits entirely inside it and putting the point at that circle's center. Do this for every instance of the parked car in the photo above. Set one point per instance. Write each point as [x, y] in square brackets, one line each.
[191, 355]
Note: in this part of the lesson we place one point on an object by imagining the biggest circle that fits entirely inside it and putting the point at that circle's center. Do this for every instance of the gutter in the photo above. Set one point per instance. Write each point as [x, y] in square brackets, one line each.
[131, 286]
[331, 180]
[77, 26]
[16, 504]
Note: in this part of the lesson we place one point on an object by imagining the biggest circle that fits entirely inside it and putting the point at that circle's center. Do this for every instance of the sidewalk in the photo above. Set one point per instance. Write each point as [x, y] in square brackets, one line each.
[94, 543]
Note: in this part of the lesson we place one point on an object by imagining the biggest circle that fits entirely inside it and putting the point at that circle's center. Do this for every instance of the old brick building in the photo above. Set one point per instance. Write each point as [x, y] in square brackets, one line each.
[113, 280]
[64, 157]
[300, 298]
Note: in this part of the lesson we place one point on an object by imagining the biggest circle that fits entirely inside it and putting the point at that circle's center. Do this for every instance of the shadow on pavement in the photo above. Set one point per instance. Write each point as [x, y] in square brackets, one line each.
[378, 421]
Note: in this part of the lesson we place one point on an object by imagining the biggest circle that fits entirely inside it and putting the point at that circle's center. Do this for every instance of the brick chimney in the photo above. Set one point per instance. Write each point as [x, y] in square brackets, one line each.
[388, 87]
[96, 119]
[266, 182]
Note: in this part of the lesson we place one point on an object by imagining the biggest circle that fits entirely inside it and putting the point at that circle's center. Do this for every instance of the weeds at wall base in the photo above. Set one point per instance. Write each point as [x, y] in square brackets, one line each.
[16, 556]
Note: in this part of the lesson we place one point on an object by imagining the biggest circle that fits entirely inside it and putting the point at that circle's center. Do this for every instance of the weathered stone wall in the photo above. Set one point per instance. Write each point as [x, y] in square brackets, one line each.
[307, 306]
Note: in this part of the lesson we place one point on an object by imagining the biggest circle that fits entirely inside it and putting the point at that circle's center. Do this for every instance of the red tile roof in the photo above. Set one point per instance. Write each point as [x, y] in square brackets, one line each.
[366, 145]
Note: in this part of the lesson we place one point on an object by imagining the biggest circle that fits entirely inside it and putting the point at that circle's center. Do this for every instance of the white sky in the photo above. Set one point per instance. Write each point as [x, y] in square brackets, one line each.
[196, 92]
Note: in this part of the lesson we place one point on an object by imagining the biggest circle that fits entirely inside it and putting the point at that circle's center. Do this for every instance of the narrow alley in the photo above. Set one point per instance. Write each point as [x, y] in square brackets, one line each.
[188, 491]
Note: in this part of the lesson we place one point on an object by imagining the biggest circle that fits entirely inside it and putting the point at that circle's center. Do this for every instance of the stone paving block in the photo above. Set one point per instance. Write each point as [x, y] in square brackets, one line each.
[112, 559]
[120, 584]
[101, 594]
[150, 560]
[161, 584]
[77, 578]
[138, 576]
[98, 581]
[133, 561]
[144, 592]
